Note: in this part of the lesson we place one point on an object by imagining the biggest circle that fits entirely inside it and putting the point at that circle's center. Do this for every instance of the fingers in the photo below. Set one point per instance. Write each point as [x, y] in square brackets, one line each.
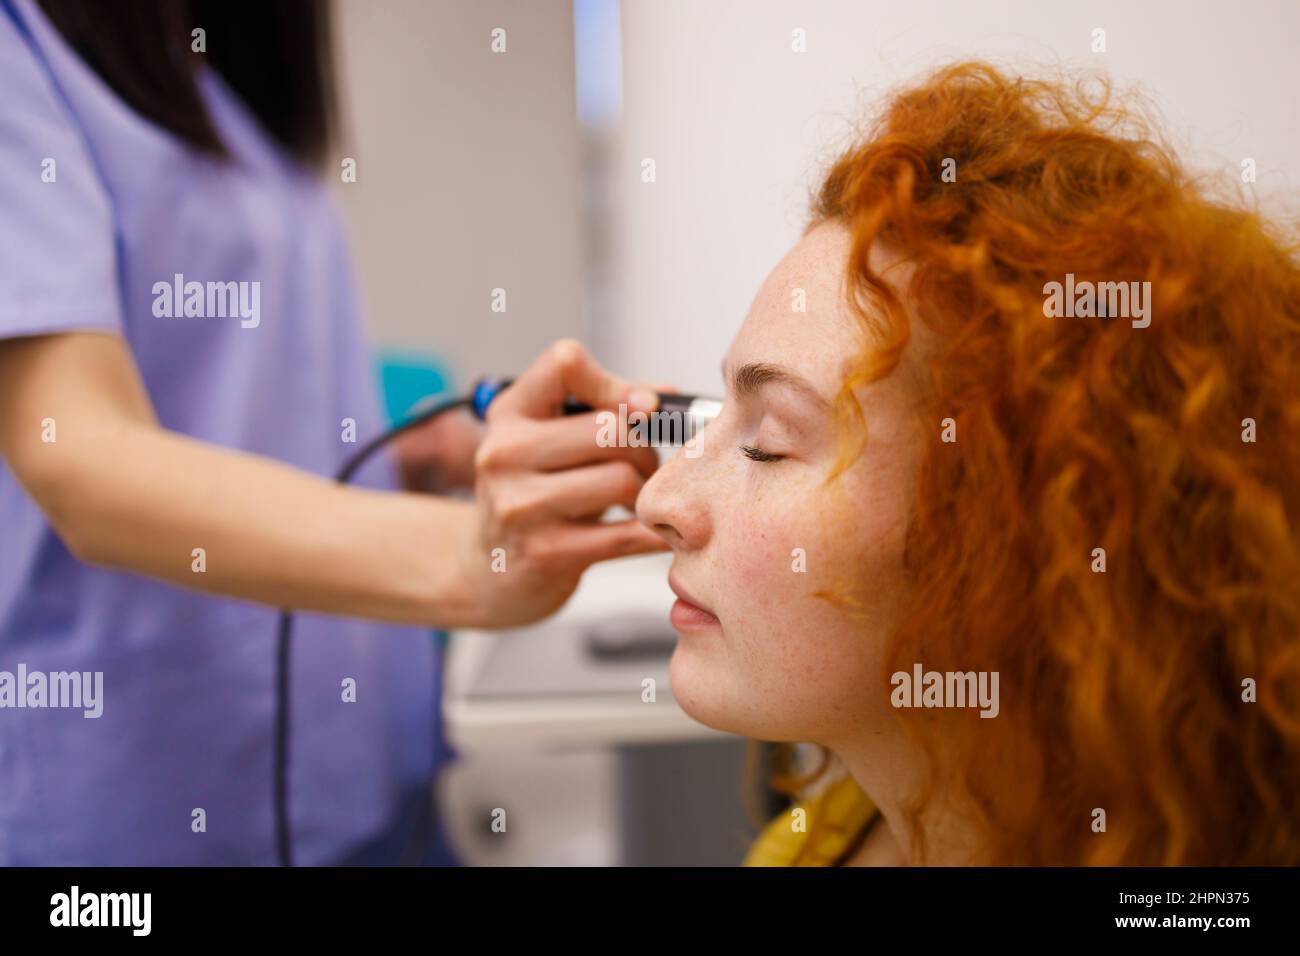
[556, 443]
[578, 494]
[545, 478]
[566, 370]
[583, 545]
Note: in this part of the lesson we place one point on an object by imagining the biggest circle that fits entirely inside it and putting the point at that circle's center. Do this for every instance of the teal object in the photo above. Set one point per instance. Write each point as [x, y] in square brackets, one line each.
[406, 377]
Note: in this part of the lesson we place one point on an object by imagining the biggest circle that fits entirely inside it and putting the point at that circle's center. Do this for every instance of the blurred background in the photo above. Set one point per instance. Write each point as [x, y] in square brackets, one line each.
[525, 170]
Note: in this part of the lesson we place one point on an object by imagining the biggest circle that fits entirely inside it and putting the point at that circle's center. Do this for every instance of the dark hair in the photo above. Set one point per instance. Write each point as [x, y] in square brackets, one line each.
[276, 54]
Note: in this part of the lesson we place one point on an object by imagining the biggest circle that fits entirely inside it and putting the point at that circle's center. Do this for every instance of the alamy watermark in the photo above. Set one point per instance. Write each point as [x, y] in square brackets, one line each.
[1102, 300]
[133, 911]
[73, 690]
[209, 300]
[923, 688]
[650, 430]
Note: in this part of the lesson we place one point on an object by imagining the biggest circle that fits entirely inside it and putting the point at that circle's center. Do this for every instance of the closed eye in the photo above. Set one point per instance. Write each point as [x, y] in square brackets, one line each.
[757, 454]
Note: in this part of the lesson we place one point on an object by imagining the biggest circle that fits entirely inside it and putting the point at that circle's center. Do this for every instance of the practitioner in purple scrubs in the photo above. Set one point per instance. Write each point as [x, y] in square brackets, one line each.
[166, 460]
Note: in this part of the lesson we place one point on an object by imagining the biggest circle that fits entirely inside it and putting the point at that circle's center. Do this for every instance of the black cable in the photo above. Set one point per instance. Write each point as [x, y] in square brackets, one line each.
[280, 784]
[280, 775]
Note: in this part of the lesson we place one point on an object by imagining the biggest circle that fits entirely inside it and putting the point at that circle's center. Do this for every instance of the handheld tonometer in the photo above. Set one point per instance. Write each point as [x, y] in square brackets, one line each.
[694, 410]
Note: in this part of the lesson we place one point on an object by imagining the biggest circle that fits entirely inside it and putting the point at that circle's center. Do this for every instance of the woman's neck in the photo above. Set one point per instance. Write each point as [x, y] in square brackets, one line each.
[887, 842]
[878, 847]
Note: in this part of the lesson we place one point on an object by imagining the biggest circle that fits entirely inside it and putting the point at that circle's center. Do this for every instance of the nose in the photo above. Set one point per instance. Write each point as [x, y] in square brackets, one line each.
[673, 504]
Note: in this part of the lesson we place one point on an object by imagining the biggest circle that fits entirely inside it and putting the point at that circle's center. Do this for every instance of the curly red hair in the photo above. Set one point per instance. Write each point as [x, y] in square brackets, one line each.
[1126, 690]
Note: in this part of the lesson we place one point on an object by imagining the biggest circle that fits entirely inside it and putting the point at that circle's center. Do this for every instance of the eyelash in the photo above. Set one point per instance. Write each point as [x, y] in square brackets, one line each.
[757, 454]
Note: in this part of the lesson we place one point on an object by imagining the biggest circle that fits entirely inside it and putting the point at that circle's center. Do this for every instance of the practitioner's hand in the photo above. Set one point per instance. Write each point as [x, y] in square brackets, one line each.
[543, 483]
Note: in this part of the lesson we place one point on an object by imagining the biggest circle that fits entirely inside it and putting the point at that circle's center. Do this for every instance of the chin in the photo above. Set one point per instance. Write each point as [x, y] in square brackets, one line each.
[710, 694]
[700, 690]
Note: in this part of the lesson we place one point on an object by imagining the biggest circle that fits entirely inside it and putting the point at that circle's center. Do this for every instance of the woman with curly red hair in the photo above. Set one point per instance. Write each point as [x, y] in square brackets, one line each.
[926, 470]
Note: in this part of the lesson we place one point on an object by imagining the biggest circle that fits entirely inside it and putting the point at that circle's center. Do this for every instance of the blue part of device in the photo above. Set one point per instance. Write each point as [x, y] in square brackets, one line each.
[485, 390]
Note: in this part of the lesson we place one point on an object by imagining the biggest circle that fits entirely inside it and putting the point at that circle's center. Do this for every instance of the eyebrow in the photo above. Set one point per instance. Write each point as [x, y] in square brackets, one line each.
[749, 379]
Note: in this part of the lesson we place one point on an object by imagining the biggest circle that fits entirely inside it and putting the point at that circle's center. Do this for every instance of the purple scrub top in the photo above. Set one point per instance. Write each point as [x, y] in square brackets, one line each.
[187, 680]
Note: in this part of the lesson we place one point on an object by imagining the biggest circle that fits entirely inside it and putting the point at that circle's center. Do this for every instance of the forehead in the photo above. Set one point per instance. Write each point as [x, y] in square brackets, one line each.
[800, 316]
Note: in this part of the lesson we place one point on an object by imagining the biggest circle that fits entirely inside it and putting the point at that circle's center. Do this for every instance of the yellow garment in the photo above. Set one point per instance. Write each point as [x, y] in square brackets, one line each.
[834, 819]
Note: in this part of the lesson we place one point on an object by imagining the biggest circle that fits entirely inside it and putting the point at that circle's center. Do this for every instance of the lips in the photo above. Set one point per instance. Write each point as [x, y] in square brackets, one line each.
[687, 613]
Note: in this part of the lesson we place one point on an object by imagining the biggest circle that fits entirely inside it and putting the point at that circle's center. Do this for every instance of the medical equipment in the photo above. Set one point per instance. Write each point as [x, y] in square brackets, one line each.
[692, 411]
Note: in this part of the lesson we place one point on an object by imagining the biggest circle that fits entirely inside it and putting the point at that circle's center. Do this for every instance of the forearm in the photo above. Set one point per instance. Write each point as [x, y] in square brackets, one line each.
[121, 491]
[142, 499]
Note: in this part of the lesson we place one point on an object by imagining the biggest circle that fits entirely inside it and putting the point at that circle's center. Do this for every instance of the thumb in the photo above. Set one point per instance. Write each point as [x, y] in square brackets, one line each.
[567, 370]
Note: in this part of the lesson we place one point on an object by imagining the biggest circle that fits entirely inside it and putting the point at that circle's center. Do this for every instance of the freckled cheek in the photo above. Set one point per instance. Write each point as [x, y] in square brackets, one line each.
[763, 557]
[770, 606]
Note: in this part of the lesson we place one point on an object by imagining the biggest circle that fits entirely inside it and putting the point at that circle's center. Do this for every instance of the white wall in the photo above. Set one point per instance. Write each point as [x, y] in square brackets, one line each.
[468, 175]
[739, 125]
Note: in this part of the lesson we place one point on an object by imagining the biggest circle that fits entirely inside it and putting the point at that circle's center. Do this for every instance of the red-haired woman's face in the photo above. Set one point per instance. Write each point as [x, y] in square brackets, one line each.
[757, 532]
